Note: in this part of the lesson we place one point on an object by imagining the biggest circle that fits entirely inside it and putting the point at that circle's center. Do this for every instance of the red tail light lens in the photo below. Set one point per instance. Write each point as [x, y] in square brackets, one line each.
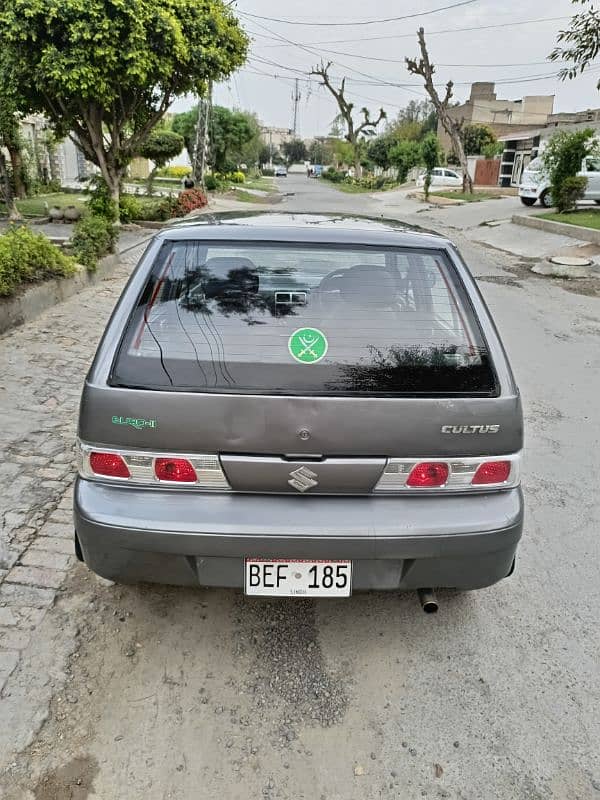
[178, 470]
[110, 464]
[428, 474]
[492, 472]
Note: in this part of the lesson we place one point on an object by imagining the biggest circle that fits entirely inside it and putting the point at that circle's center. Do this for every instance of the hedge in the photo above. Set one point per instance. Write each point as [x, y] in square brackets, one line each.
[27, 257]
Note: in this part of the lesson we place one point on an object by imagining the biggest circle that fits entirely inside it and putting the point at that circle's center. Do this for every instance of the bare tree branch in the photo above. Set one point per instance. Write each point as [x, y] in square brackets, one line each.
[452, 125]
[366, 127]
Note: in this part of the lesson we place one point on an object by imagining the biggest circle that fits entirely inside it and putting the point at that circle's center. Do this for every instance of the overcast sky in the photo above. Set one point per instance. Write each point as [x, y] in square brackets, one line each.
[501, 54]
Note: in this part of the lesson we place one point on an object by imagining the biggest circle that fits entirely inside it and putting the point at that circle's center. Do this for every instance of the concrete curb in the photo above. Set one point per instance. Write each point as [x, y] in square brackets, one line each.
[560, 228]
[31, 302]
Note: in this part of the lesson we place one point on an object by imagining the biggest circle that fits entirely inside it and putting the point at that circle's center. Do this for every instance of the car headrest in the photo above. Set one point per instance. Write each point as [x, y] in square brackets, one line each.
[365, 285]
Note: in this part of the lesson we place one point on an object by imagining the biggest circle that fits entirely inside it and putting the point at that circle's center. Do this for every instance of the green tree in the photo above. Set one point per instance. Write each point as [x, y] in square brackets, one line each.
[160, 147]
[343, 153]
[354, 132]
[563, 158]
[11, 107]
[185, 125]
[431, 154]
[579, 45]
[250, 150]
[476, 138]
[264, 154]
[105, 72]
[378, 150]
[492, 149]
[320, 152]
[9, 128]
[426, 70]
[295, 151]
[229, 132]
[404, 156]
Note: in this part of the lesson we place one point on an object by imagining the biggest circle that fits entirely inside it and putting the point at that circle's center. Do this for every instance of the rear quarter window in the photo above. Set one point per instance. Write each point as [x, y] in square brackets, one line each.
[303, 320]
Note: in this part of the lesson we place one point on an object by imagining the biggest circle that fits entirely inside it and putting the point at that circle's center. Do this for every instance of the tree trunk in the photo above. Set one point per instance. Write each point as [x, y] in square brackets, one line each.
[113, 179]
[467, 186]
[13, 212]
[150, 181]
[17, 170]
[353, 141]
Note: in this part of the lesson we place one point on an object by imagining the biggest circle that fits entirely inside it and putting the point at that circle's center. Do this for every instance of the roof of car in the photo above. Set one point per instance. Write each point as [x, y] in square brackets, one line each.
[302, 228]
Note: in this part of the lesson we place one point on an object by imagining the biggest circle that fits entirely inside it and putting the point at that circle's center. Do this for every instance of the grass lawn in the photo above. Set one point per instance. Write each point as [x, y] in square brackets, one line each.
[35, 206]
[476, 197]
[588, 218]
[159, 183]
[352, 188]
[264, 184]
[245, 197]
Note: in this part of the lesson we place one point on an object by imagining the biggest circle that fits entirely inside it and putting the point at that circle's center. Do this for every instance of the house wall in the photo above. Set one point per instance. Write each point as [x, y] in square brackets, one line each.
[275, 136]
[521, 150]
[139, 168]
[501, 116]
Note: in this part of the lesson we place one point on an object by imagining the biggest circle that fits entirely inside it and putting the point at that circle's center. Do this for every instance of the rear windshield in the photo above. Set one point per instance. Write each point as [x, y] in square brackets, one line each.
[302, 320]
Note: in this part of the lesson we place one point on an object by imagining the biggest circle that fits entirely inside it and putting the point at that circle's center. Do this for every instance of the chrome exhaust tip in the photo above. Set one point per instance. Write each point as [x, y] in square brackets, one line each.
[428, 600]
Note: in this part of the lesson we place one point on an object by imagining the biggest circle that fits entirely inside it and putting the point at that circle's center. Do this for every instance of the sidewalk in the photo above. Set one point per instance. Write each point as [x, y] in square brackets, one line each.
[488, 223]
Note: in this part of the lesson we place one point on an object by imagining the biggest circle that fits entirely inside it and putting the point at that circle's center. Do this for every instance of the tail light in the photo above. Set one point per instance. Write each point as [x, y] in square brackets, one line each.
[450, 475]
[492, 472]
[176, 470]
[151, 469]
[111, 465]
[428, 474]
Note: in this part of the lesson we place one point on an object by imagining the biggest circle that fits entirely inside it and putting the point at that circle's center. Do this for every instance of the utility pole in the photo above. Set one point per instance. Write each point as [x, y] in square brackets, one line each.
[202, 137]
[296, 96]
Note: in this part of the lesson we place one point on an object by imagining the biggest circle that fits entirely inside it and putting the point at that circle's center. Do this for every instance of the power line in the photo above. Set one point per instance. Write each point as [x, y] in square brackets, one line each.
[437, 64]
[376, 80]
[317, 54]
[379, 102]
[439, 33]
[359, 22]
[382, 81]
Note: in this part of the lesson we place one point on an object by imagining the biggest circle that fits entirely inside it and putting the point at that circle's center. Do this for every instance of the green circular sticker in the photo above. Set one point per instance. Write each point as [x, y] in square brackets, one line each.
[308, 345]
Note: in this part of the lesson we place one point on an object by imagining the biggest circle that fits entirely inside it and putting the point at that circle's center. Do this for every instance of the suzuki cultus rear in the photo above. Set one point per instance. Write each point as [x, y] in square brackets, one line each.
[300, 406]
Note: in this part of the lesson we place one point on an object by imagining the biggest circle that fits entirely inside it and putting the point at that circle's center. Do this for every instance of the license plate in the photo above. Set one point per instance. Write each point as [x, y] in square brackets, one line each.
[300, 578]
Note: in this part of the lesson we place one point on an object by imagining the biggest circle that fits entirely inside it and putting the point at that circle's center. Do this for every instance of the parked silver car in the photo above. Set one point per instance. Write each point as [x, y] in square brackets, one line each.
[535, 182]
[441, 176]
[300, 405]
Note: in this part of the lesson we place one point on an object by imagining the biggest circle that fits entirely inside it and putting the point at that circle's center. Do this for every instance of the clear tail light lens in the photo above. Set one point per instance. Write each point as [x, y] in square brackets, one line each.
[492, 472]
[429, 474]
[142, 468]
[176, 470]
[111, 465]
[450, 475]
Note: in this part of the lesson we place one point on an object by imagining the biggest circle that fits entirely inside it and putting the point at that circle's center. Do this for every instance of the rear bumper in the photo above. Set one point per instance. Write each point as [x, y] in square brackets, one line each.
[528, 191]
[190, 538]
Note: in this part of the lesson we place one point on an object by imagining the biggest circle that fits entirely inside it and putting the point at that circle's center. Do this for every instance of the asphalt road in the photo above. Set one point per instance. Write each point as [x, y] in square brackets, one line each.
[161, 692]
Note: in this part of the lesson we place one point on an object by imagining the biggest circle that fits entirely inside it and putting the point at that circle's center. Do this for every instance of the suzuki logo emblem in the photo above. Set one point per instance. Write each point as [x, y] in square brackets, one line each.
[303, 479]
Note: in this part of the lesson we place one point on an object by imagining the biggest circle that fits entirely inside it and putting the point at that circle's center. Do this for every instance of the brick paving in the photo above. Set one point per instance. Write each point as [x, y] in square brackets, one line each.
[42, 368]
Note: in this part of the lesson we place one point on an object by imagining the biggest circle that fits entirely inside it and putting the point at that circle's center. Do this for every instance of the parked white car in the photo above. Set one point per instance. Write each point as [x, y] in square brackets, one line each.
[441, 176]
[535, 184]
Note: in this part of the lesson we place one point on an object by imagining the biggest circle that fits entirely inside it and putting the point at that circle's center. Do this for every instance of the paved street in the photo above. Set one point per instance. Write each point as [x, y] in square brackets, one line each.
[167, 693]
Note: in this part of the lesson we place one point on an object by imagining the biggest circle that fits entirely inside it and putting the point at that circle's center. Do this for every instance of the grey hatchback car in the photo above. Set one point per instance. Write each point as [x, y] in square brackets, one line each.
[300, 405]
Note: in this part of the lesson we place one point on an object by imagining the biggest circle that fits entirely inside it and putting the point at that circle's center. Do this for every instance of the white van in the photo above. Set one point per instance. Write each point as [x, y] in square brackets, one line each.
[535, 184]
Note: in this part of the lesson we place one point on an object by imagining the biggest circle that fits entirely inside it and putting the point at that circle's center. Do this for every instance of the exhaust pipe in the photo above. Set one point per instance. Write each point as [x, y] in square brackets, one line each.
[428, 600]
